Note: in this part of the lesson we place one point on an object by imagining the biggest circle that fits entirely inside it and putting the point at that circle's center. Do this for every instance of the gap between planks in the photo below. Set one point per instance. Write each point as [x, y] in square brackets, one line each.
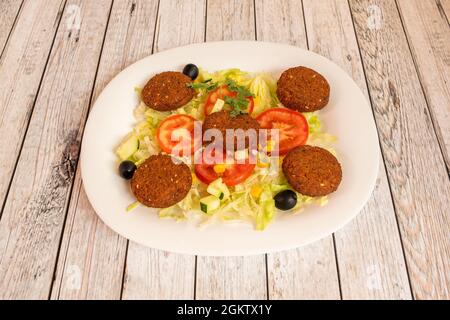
[12, 12]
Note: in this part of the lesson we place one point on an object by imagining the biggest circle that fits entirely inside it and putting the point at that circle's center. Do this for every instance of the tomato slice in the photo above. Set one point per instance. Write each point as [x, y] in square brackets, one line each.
[292, 125]
[176, 134]
[220, 93]
[234, 173]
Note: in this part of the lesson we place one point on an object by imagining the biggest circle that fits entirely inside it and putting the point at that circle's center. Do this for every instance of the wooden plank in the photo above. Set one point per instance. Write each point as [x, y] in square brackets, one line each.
[444, 8]
[295, 274]
[415, 166]
[281, 22]
[154, 274]
[305, 273]
[180, 23]
[23, 62]
[92, 257]
[369, 252]
[231, 277]
[230, 20]
[32, 221]
[428, 34]
[149, 273]
[9, 10]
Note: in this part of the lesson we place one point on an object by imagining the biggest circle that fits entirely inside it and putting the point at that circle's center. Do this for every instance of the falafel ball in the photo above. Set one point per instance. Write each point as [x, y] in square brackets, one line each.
[167, 91]
[303, 89]
[222, 120]
[312, 171]
[161, 181]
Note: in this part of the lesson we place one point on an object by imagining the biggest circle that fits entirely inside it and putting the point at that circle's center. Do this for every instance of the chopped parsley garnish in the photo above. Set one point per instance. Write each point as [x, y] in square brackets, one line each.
[240, 90]
[240, 102]
[205, 85]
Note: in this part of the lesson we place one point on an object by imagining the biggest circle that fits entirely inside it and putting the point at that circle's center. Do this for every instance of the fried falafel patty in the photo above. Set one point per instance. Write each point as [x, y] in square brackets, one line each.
[167, 91]
[312, 171]
[159, 182]
[222, 121]
[303, 89]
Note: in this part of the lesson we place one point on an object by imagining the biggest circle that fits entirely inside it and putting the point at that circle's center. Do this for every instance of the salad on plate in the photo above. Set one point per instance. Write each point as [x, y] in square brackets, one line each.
[230, 145]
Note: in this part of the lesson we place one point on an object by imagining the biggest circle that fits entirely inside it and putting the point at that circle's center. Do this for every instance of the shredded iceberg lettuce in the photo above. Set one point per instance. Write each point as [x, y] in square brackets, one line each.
[240, 77]
[317, 137]
[263, 86]
[314, 123]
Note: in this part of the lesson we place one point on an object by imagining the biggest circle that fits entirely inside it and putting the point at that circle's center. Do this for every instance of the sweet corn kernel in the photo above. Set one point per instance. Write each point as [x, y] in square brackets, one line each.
[194, 178]
[270, 145]
[219, 168]
[263, 161]
[263, 164]
[256, 191]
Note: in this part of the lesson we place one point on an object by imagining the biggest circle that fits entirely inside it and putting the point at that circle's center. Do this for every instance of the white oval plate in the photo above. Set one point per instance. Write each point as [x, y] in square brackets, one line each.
[348, 116]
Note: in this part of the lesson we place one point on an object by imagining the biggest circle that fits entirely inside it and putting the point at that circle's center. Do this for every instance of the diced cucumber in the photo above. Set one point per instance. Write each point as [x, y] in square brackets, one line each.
[218, 105]
[209, 203]
[129, 146]
[218, 189]
[214, 191]
[133, 206]
[226, 192]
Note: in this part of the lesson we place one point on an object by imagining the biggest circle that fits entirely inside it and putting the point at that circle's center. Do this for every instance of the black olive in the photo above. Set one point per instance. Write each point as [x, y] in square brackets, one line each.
[285, 200]
[127, 169]
[191, 71]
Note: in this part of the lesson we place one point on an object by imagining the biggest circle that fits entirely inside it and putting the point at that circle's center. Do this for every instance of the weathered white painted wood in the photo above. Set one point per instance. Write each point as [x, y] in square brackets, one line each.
[369, 252]
[92, 257]
[149, 273]
[230, 20]
[305, 273]
[9, 10]
[281, 21]
[31, 225]
[415, 166]
[428, 33]
[295, 274]
[180, 23]
[21, 68]
[154, 274]
[231, 277]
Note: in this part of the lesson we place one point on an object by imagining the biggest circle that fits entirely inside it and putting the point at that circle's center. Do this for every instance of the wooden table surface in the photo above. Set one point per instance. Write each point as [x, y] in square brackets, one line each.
[58, 55]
